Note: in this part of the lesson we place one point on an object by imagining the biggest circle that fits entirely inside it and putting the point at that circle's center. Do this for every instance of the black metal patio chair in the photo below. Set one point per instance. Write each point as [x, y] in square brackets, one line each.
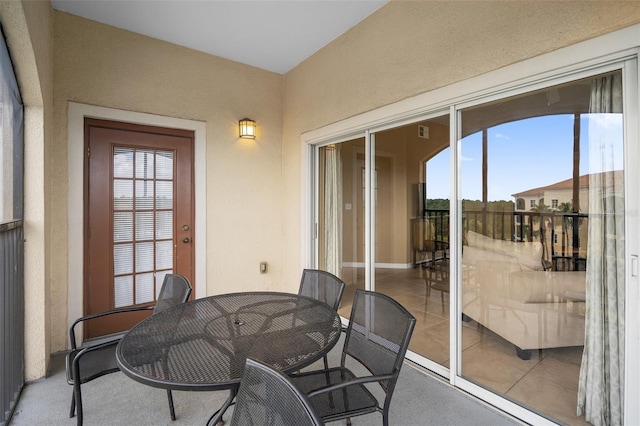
[96, 357]
[323, 286]
[377, 338]
[267, 397]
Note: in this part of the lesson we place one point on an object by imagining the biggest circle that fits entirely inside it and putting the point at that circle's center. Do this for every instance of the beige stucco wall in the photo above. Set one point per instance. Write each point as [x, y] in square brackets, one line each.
[27, 28]
[100, 65]
[412, 47]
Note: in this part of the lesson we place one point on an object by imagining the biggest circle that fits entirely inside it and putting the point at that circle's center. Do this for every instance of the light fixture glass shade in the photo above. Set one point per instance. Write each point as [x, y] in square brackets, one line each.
[247, 128]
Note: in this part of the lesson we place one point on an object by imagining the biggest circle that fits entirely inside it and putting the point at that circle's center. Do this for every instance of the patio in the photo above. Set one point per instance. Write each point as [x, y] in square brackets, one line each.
[256, 199]
[419, 399]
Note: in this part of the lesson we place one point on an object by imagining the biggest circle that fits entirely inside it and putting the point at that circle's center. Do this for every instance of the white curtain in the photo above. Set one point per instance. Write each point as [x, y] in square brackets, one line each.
[333, 210]
[601, 386]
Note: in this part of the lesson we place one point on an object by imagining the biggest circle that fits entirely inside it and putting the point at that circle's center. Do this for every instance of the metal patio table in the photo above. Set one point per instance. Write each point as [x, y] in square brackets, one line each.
[202, 345]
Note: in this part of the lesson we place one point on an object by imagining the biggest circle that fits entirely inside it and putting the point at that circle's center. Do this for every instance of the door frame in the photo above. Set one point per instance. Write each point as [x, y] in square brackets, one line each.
[75, 197]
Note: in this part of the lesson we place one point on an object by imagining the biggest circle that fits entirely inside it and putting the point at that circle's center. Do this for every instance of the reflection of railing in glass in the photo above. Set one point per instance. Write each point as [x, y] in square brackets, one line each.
[512, 284]
[563, 236]
[430, 236]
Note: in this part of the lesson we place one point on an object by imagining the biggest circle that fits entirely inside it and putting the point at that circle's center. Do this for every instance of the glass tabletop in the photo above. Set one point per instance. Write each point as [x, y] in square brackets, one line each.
[203, 344]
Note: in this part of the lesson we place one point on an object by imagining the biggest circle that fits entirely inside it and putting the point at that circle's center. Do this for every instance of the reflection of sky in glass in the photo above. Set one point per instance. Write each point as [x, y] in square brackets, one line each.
[605, 142]
[528, 154]
[438, 175]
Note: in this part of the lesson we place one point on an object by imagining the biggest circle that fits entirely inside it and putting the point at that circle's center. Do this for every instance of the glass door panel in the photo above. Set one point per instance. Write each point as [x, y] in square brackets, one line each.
[341, 219]
[542, 196]
[142, 223]
[410, 197]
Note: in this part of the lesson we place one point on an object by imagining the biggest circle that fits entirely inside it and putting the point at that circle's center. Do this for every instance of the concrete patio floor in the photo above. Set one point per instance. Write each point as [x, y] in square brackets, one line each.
[419, 399]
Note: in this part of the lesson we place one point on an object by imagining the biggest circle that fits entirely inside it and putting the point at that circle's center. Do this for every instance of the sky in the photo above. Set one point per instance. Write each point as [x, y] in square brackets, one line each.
[528, 154]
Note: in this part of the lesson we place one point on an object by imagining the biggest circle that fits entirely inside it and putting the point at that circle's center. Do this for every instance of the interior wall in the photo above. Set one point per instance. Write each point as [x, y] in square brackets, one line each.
[408, 151]
[391, 209]
[101, 65]
[407, 48]
[350, 246]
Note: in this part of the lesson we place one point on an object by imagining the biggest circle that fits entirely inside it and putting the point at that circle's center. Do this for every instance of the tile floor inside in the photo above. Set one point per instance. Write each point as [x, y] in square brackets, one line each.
[547, 383]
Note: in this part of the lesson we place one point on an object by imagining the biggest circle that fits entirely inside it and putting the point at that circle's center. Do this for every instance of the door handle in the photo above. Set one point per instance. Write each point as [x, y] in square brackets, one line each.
[186, 240]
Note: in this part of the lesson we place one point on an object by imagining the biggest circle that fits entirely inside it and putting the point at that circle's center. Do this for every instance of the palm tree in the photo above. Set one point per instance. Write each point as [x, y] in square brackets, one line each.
[539, 208]
[566, 222]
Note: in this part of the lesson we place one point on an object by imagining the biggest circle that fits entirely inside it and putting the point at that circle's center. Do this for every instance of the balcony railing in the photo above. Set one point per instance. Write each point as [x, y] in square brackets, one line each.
[11, 316]
[563, 235]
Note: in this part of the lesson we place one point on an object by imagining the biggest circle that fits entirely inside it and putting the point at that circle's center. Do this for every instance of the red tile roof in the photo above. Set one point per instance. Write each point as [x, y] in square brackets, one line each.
[565, 184]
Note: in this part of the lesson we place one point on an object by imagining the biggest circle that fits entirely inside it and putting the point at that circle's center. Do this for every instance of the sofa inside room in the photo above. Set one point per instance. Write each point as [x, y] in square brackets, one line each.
[506, 290]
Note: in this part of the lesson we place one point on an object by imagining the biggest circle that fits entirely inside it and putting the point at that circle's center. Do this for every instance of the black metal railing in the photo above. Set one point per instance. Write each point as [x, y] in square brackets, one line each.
[563, 235]
[430, 236]
[12, 316]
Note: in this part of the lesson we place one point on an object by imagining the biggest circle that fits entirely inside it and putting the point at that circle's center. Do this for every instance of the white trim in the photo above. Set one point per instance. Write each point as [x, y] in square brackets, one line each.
[315, 182]
[75, 149]
[455, 210]
[550, 68]
[307, 208]
[369, 211]
[631, 110]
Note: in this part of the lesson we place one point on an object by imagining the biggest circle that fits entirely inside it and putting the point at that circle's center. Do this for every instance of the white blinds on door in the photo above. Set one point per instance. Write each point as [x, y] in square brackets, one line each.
[143, 214]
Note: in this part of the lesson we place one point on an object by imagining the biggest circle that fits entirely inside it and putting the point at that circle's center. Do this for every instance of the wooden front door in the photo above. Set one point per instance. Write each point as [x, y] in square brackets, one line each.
[139, 217]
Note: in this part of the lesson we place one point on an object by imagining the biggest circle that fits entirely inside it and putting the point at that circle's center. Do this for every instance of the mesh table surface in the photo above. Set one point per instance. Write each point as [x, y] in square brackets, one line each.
[203, 344]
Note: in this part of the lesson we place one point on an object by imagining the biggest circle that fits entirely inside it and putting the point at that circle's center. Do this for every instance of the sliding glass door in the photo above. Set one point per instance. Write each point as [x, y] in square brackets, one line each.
[410, 217]
[341, 215]
[504, 230]
[543, 257]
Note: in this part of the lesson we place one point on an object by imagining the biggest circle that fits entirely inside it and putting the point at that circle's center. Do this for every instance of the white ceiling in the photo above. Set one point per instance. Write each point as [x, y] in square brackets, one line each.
[268, 34]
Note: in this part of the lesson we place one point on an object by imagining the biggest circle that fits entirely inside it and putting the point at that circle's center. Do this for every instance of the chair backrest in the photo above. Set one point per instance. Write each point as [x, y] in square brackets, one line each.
[378, 335]
[323, 286]
[175, 290]
[268, 397]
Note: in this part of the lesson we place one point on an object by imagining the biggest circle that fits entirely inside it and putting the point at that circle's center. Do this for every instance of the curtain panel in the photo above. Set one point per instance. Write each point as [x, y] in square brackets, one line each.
[333, 210]
[601, 384]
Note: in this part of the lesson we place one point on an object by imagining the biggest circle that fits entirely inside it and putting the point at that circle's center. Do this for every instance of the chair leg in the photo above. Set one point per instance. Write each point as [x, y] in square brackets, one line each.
[78, 399]
[171, 409]
[72, 411]
[326, 363]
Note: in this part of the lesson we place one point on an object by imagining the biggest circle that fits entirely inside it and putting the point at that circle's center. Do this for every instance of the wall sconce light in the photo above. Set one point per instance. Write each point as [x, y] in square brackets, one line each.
[247, 128]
